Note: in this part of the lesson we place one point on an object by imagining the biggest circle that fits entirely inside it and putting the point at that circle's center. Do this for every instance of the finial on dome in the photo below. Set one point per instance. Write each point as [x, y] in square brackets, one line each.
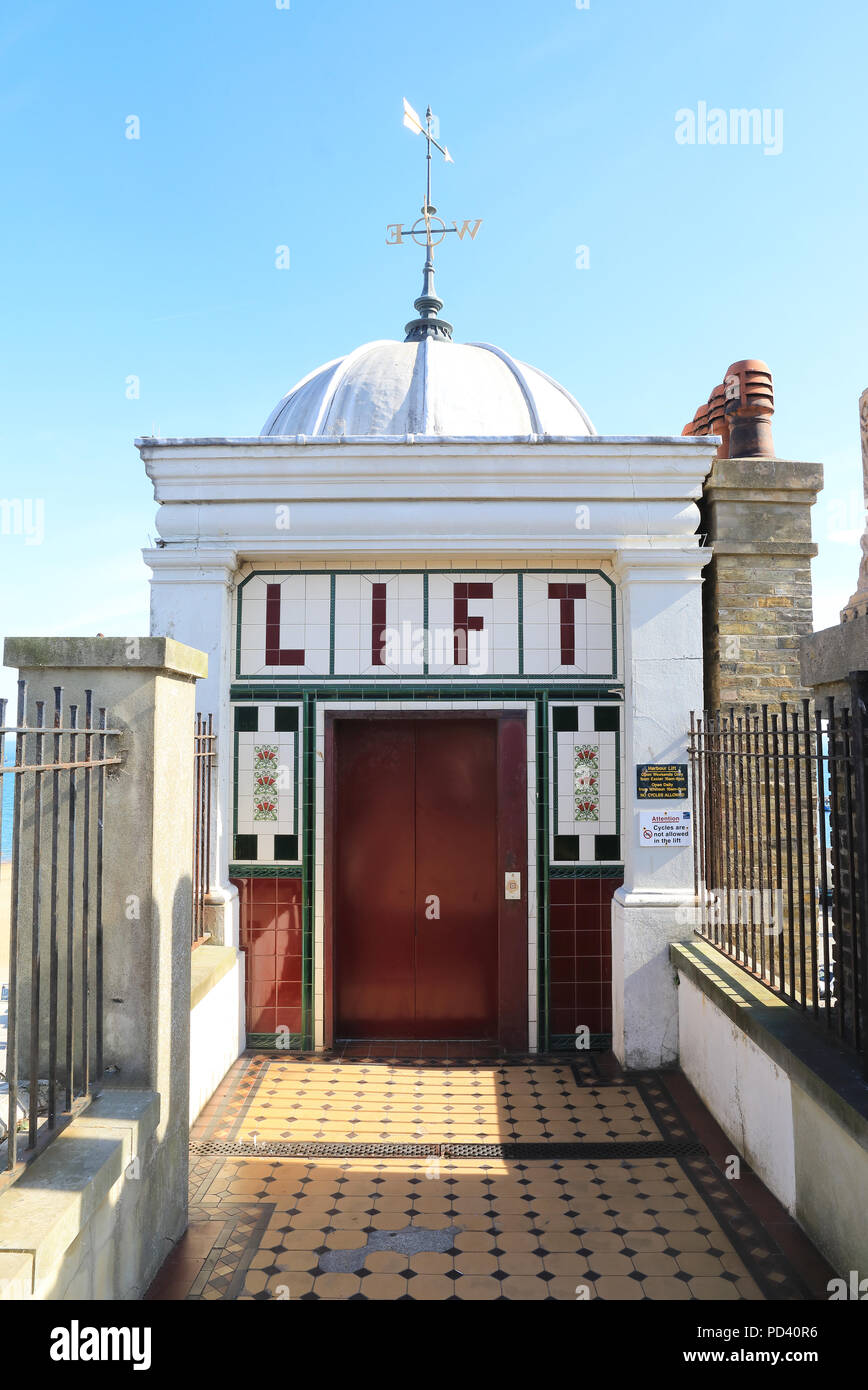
[428, 306]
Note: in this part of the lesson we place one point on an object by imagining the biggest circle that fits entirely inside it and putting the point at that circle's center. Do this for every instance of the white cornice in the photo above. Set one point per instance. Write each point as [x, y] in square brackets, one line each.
[582, 470]
[194, 564]
[277, 444]
[647, 562]
[635, 553]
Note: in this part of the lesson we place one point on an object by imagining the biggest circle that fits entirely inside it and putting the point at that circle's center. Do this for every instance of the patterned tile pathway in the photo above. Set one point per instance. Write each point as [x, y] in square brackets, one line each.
[339, 1177]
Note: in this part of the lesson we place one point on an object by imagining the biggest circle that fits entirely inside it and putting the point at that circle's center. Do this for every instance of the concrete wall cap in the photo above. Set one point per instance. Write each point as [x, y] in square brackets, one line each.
[54, 1199]
[765, 473]
[161, 654]
[830, 1076]
[208, 965]
[828, 656]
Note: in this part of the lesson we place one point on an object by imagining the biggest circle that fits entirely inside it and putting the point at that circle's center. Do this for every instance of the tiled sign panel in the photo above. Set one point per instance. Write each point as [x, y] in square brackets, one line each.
[585, 783]
[437, 624]
[266, 775]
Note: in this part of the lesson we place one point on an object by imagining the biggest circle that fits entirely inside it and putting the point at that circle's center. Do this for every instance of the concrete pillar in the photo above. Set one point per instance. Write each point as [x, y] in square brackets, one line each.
[661, 594]
[857, 607]
[757, 597]
[148, 688]
[192, 601]
[831, 657]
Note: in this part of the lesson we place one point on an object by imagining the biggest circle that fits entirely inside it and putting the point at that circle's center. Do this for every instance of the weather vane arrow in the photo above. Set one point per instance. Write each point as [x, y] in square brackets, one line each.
[428, 231]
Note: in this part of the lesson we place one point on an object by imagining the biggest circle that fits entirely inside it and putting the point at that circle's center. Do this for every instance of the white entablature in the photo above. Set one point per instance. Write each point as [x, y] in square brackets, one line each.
[588, 494]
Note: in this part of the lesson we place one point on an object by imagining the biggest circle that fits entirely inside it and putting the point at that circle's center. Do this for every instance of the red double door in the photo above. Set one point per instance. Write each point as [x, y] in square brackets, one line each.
[419, 933]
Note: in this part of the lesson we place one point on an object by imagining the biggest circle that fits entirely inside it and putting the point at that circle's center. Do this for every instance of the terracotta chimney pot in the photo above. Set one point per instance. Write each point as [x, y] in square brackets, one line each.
[749, 405]
[717, 420]
[699, 423]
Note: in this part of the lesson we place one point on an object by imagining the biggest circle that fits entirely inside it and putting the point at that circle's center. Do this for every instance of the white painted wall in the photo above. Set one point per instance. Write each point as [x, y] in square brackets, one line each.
[217, 1035]
[192, 601]
[812, 1156]
[748, 1095]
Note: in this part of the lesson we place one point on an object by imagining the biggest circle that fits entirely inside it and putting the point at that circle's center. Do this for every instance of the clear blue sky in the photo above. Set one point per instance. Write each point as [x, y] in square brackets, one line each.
[263, 126]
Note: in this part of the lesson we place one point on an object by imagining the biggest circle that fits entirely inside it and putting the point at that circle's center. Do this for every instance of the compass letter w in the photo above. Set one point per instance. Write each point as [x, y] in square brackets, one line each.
[466, 227]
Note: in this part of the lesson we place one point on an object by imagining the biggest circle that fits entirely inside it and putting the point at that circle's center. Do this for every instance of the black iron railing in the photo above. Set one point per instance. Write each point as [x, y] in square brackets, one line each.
[205, 753]
[781, 851]
[53, 1060]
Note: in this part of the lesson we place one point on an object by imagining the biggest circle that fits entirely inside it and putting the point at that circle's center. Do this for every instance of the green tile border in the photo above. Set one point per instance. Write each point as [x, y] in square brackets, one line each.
[566, 1042]
[602, 870]
[529, 689]
[542, 919]
[521, 626]
[425, 610]
[308, 867]
[248, 870]
[296, 789]
[268, 1042]
[331, 623]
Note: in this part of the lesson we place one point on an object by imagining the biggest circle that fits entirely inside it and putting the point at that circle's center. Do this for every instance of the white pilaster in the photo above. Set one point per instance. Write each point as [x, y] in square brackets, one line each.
[661, 594]
[192, 592]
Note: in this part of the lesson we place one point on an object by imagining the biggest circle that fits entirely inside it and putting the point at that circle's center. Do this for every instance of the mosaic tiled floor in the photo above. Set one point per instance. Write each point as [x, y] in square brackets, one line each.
[407, 1102]
[432, 1226]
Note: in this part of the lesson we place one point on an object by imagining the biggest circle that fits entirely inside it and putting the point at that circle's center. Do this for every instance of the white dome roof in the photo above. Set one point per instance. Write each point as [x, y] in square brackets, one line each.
[429, 387]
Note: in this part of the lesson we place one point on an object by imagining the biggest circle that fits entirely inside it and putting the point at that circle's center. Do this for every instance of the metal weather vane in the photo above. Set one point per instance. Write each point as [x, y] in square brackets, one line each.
[428, 231]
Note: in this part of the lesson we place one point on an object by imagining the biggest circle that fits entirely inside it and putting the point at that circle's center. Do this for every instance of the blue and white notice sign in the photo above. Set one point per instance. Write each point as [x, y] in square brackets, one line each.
[665, 829]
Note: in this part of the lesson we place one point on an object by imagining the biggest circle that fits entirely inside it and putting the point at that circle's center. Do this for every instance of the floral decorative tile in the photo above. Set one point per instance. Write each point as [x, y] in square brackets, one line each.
[265, 770]
[587, 782]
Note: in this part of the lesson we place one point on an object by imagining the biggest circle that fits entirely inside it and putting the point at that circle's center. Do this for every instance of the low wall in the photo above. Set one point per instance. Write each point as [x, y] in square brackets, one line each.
[96, 1214]
[794, 1107]
[81, 1222]
[217, 1025]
